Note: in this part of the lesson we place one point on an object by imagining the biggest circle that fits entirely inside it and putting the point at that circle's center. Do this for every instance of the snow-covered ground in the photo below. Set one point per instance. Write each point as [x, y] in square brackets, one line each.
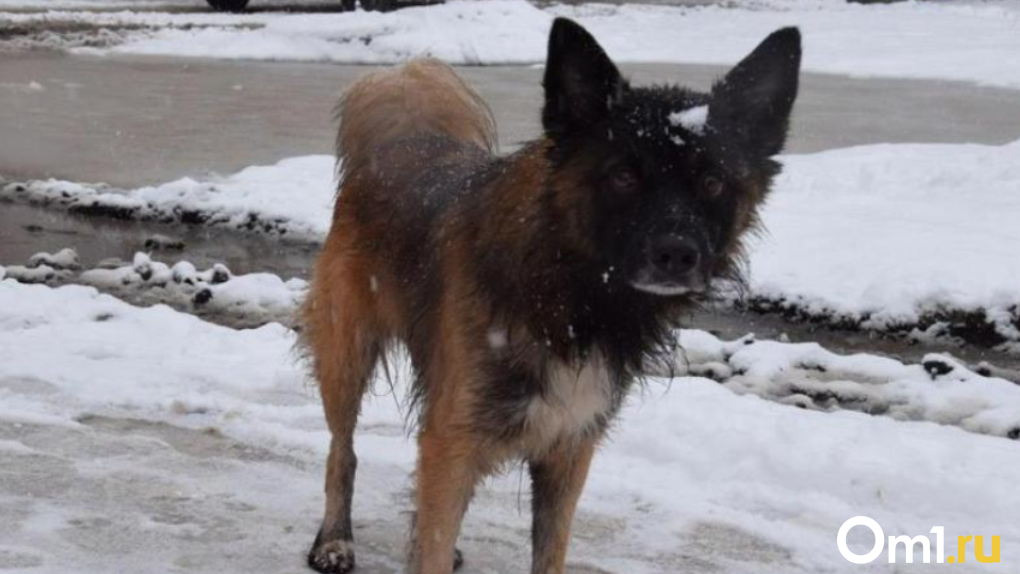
[879, 237]
[148, 440]
[957, 40]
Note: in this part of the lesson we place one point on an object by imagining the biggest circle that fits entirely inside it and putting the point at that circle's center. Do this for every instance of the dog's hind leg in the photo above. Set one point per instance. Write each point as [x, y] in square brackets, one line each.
[448, 471]
[341, 331]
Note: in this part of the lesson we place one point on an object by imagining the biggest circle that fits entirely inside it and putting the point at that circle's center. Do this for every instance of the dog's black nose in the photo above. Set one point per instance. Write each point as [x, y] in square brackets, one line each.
[673, 256]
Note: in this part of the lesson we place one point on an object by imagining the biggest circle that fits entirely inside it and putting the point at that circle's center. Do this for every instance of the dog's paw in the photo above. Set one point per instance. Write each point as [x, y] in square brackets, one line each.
[458, 559]
[336, 557]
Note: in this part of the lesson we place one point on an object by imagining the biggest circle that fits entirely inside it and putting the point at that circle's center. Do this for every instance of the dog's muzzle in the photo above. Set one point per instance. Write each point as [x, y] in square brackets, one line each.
[673, 265]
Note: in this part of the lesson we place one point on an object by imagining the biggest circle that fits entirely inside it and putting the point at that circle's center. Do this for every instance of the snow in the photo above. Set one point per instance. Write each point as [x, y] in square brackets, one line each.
[33, 274]
[692, 119]
[887, 233]
[806, 375]
[293, 196]
[190, 430]
[44, 267]
[950, 40]
[880, 237]
[214, 294]
[66, 258]
[239, 301]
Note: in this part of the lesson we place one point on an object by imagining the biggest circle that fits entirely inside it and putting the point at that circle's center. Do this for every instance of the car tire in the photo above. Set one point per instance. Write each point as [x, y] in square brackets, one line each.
[377, 5]
[228, 5]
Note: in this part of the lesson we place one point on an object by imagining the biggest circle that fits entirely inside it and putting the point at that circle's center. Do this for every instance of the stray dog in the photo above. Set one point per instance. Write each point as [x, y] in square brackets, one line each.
[528, 289]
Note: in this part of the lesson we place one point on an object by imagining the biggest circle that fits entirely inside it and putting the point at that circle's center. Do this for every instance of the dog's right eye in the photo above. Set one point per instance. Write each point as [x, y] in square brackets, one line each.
[623, 181]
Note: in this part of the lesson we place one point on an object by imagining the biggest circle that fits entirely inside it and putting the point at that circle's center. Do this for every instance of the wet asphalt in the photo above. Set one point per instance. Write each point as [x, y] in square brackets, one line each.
[131, 121]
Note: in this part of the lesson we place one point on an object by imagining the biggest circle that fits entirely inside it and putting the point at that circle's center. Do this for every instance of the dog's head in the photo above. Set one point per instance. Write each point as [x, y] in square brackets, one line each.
[659, 184]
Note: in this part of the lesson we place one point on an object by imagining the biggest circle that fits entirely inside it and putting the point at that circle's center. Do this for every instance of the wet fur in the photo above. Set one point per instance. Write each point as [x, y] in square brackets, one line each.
[523, 334]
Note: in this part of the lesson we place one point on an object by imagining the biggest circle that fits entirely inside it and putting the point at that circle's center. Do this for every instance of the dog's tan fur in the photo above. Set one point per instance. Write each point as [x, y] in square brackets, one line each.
[424, 96]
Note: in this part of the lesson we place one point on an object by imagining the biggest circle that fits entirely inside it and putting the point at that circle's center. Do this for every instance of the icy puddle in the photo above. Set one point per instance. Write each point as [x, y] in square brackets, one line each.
[28, 229]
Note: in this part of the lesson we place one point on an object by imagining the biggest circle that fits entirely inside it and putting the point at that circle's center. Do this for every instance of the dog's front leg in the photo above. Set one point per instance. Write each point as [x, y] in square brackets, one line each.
[557, 480]
[448, 471]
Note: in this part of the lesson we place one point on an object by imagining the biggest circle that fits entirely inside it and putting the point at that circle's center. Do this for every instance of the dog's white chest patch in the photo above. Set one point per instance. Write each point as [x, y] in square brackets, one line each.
[575, 398]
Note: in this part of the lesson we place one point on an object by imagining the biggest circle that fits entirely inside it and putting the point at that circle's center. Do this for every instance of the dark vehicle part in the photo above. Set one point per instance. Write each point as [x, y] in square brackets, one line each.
[348, 5]
[228, 5]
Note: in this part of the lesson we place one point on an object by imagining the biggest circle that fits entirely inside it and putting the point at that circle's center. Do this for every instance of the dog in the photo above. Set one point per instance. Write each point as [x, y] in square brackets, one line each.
[528, 289]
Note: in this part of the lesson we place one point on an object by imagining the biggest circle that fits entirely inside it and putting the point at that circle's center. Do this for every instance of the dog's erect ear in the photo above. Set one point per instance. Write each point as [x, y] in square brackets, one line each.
[753, 102]
[581, 83]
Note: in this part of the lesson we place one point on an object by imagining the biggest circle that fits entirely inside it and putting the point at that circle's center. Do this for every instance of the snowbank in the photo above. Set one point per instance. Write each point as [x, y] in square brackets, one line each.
[44, 267]
[692, 472]
[876, 237]
[959, 41]
[890, 235]
[214, 294]
[807, 376]
[293, 197]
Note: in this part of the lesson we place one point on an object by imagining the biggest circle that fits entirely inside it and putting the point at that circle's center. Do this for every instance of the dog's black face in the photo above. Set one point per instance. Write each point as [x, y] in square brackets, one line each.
[662, 182]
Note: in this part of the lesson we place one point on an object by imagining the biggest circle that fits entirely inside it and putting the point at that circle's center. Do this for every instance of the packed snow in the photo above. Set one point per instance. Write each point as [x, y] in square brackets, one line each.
[215, 294]
[239, 301]
[695, 477]
[876, 237]
[44, 267]
[951, 40]
[66, 258]
[34, 274]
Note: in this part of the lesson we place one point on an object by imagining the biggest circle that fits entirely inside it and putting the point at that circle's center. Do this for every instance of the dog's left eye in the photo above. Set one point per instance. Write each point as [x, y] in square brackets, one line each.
[623, 181]
[711, 186]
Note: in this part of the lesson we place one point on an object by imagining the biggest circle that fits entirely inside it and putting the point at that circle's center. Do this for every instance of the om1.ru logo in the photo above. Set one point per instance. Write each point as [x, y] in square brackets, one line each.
[909, 543]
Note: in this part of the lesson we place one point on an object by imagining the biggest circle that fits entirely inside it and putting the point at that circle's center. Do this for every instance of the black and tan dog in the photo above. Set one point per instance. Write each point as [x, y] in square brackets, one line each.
[530, 288]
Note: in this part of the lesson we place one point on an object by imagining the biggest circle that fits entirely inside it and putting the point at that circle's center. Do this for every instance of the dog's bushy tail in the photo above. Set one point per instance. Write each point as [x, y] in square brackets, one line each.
[422, 97]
